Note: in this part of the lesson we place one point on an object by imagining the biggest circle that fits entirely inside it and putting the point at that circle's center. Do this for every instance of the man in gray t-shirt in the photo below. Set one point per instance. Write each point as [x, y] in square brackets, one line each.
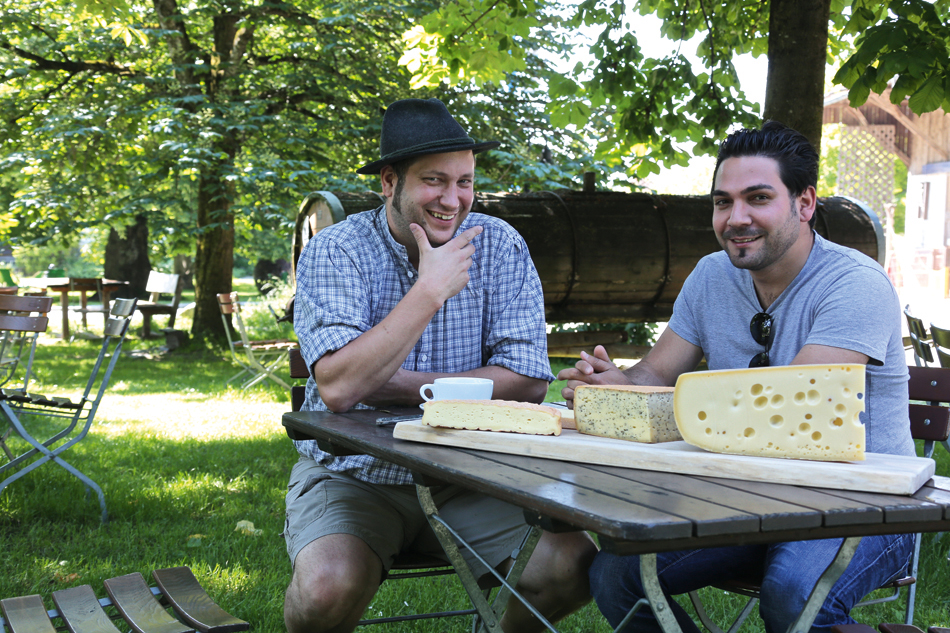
[777, 294]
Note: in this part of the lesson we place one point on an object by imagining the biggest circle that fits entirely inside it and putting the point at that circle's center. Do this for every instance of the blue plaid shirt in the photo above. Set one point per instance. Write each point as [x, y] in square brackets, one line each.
[352, 274]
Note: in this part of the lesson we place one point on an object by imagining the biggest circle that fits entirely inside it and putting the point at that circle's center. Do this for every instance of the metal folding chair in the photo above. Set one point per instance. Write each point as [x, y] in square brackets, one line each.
[20, 408]
[406, 565]
[261, 359]
[21, 321]
[919, 339]
[928, 422]
[940, 339]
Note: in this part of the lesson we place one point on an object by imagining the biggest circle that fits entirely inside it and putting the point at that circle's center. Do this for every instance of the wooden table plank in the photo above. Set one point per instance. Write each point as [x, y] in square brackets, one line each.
[556, 495]
[898, 508]
[835, 510]
[707, 517]
[937, 490]
[773, 513]
[561, 500]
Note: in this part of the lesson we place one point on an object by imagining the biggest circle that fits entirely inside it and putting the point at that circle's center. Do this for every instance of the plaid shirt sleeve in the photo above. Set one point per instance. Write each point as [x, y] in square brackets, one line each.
[329, 309]
[516, 333]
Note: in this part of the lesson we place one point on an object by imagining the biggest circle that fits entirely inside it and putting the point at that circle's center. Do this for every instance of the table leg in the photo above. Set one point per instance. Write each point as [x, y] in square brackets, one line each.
[64, 304]
[83, 305]
[824, 585]
[654, 598]
[106, 308]
[490, 614]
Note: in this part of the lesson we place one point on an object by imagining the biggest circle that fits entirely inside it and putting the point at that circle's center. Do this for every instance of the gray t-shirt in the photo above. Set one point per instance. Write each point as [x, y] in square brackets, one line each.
[841, 298]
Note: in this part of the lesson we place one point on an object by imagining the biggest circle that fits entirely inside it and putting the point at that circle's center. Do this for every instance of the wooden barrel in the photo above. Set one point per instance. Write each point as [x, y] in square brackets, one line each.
[606, 256]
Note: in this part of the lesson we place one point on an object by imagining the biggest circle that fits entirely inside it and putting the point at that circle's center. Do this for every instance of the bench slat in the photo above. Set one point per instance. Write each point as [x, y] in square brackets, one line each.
[81, 612]
[192, 603]
[26, 614]
[134, 600]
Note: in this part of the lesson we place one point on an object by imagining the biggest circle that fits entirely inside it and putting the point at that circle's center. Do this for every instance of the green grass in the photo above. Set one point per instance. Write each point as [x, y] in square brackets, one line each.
[183, 458]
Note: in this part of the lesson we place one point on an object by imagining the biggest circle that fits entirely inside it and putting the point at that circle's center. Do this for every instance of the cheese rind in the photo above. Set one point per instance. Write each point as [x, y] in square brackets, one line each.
[493, 415]
[795, 411]
[626, 412]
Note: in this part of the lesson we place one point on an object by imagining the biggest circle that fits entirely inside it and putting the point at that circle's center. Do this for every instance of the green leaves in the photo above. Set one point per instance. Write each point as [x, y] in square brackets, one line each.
[476, 41]
[908, 44]
[929, 96]
[644, 112]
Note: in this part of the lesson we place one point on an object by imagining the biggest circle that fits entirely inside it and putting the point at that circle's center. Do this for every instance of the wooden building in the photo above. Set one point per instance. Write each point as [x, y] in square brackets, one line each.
[871, 136]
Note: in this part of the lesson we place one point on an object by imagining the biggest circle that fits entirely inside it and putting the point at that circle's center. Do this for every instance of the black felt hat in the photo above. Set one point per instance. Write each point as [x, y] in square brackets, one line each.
[415, 127]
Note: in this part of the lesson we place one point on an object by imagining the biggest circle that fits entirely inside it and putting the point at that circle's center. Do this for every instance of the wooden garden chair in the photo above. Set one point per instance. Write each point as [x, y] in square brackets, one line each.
[259, 359]
[160, 284]
[19, 406]
[928, 422]
[140, 608]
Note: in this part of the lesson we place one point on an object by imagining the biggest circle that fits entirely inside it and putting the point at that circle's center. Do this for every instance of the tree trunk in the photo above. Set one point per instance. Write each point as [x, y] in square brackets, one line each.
[126, 258]
[798, 45]
[184, 267]
[214, 257]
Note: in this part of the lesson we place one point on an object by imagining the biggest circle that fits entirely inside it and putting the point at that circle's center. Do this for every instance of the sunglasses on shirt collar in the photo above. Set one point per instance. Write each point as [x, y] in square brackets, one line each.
[762, 329]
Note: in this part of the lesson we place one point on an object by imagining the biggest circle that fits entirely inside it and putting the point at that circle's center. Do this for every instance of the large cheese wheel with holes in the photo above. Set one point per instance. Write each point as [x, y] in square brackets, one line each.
[493, 415]
[796, 411]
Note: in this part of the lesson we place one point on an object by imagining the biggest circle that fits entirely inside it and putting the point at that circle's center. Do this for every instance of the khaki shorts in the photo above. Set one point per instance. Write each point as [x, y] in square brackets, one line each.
[390, 520]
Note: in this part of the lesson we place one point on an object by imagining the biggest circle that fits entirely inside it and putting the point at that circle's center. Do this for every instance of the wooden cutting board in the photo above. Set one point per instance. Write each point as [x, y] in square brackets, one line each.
[892, 474]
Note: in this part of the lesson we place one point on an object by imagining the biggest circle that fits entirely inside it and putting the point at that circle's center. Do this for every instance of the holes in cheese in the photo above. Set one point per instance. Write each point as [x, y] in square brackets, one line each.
[626, 412]
[493, 415]
[798, 411]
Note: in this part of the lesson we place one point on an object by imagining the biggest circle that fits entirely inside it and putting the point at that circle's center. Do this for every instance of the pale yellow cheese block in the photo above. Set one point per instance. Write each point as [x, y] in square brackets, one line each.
[567, 415]
[493, 415]
[626, 412]
[796, 411]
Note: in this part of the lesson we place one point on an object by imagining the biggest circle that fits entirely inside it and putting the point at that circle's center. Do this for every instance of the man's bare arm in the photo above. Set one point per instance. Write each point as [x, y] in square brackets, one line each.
[403, 387]
[670, 357]
[361, 367]
[825, 354]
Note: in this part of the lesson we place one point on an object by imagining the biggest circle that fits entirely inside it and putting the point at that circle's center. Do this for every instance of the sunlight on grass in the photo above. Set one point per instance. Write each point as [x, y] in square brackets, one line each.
[190, 416]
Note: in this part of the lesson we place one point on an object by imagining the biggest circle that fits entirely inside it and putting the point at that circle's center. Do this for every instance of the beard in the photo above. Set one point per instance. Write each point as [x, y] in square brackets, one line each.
[406, 212]
[774, 245]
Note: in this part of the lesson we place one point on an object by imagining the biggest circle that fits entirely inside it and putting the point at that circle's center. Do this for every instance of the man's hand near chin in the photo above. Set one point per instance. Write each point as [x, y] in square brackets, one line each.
[596, 369]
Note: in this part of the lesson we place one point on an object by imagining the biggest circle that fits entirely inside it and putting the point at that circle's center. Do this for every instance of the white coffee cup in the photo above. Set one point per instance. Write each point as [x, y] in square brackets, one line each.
[460, 388]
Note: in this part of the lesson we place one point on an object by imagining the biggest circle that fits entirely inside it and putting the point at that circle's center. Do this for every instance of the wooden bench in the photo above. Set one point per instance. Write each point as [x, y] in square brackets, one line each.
[131, 600]
[159, 284]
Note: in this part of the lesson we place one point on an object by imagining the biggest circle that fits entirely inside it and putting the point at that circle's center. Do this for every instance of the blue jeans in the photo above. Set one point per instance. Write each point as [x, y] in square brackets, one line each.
[789, 572]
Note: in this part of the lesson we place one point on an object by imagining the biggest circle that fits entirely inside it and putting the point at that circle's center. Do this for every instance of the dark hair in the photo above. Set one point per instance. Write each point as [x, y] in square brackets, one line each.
[796, 157]
[401, 167]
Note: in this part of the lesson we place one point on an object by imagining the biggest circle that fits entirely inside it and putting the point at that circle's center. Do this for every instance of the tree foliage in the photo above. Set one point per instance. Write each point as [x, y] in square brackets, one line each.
[907, 43]
[661, 110]
[215, 118]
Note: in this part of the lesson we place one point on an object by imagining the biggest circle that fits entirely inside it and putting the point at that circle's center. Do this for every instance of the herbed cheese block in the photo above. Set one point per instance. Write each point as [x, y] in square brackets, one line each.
[626, 412]
[493, 415]
[796, 411]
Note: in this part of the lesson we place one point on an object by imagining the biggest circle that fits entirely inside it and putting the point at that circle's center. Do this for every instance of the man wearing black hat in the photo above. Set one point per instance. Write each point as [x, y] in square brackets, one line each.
[387, 301]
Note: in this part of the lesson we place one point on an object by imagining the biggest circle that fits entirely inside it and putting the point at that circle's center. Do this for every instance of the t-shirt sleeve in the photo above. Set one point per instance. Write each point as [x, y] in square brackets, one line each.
[850, 315]
[517, 333]
[331, 307]
[684, 321]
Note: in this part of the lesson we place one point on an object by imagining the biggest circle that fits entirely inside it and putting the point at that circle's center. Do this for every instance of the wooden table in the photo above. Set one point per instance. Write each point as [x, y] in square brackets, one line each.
[83, 285]
[636, 511]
